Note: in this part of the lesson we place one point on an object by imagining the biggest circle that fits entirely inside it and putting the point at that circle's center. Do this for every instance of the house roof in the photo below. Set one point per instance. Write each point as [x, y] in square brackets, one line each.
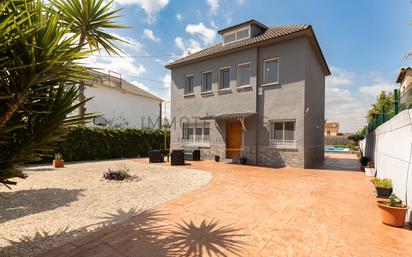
[401, 74]
[125, 86]
[228, 116]
[270, 35]
[249, 22]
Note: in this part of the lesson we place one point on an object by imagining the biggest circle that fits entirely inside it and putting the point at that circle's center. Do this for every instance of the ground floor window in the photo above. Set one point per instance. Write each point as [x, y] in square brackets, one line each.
[196, 133]
[282, 133]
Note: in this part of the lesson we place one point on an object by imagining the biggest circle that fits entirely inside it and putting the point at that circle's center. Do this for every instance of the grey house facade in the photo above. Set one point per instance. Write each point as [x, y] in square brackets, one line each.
[259, 94]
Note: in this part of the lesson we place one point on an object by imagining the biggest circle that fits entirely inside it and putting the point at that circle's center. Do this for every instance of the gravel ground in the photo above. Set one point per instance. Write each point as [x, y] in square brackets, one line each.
[55, 206]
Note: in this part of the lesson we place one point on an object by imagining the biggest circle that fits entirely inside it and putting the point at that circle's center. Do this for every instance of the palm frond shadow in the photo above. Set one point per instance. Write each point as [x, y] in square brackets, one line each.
[147, 233]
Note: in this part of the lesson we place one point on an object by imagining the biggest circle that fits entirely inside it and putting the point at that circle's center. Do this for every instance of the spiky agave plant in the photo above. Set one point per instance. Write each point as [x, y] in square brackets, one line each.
[39, 60]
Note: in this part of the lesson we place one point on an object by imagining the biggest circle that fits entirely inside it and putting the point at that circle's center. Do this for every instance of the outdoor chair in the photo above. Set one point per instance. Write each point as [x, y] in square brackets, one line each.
[177, 157]
[155, 156]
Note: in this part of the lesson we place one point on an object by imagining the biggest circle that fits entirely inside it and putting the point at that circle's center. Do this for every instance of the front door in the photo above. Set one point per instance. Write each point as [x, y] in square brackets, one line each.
[233, 139]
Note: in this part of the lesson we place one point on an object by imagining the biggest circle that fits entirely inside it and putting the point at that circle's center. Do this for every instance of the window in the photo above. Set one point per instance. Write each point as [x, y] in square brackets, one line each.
[196, 133]
[241, 34]
[229, 38]
[243, 75]
[271, 71]
[236, 35]
[207, 81]
[224, 78]
[189, 85]
[282, 133]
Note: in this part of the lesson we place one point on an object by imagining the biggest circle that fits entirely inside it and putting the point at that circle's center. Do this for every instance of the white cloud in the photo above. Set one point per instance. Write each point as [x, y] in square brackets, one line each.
[167, 79]
[147, 33]
[123, 65]
[131, 43]
[151, 7]
[214, 5]
[239, 2]
[207, 35]
[140, 85]
[180, 44]
[188, 48]
[179, 17]
[377, 86]
[341, 105]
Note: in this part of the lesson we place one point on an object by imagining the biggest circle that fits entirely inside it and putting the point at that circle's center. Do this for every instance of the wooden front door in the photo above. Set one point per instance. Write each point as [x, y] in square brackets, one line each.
[233, 139]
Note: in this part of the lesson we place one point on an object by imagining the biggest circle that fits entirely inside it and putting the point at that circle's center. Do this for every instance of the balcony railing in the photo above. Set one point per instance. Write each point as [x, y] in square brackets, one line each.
[196, 141]
[282, 143]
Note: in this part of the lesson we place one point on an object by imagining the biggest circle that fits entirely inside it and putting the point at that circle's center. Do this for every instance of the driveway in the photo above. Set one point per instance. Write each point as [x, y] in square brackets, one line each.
[257, 211]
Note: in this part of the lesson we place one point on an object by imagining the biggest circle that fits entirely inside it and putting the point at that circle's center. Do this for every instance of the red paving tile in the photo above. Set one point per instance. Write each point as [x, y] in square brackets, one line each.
[257, 211]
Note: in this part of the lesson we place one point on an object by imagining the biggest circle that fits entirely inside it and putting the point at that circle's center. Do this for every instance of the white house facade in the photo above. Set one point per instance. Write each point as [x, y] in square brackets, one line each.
[120, 103]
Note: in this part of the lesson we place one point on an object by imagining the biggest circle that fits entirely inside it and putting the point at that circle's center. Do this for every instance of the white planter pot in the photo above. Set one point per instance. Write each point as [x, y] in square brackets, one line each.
[370, 172]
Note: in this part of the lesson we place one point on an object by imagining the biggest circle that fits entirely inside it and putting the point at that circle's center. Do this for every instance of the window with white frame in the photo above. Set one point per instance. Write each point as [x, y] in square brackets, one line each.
[224, 78]
[207, 81]
[243, 75]
[236, 35]
[189, 84]
[196, 133]
[282, 133]
[271, 71]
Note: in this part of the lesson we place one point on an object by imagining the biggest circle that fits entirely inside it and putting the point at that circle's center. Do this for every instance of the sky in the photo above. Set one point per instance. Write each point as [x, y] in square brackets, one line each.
[364, 43]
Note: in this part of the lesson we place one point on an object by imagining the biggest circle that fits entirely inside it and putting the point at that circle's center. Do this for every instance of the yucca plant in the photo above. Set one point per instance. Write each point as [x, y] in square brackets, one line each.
[41, 46]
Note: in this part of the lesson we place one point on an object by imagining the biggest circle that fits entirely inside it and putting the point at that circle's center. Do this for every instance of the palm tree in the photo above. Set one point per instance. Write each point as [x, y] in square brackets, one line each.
[41, 46]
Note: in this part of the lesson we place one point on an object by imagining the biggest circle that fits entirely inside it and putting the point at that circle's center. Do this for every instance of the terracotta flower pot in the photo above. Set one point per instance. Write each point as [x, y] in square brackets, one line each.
[58, 163]
[392, 216]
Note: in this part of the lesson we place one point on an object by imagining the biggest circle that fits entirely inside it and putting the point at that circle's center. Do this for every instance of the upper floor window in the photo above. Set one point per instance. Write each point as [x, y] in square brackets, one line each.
[271, 71]
[207, 81]
[243, 78]
[236, 35]
[189, 84]
[224, 77]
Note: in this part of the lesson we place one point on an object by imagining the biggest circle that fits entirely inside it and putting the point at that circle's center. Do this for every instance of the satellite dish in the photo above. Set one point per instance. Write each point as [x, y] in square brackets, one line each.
[99, 121]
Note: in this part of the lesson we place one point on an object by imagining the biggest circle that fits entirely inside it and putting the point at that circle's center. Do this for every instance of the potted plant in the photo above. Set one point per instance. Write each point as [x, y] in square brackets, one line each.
[370, 169]
[383, 187]
[392, 211]
[217, 158]
[58, 161]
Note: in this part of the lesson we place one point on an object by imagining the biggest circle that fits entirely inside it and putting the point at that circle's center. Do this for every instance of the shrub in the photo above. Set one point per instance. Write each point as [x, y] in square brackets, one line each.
[386, 182]
[88, 143]
[116, 174]
[364, 160]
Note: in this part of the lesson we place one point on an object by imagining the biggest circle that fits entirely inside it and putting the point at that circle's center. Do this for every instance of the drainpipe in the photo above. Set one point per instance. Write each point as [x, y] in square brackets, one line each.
[257, 103]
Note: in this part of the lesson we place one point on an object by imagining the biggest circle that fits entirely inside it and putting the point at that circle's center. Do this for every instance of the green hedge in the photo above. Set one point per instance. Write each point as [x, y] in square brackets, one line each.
[85, 143]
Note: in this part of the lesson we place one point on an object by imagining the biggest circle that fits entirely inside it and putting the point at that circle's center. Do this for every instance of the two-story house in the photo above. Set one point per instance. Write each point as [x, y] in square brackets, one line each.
[259, 94]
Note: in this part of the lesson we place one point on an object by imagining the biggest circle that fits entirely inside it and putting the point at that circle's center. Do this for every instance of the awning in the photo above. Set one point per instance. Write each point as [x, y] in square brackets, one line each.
[228, 116]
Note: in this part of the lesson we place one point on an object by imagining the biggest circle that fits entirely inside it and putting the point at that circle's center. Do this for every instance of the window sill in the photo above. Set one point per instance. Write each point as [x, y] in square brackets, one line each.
[244, 87]
[189, 95]
[196, 144]
[283, 146]
[270, 84]
[206, 93]
[224, 90]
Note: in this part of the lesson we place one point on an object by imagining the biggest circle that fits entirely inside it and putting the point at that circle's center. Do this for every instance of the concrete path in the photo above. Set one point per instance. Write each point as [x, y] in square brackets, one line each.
[257, 211]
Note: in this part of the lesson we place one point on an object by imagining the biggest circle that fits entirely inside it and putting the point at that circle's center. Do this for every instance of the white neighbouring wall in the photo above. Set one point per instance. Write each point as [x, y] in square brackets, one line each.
[390, 147]
[123, 109]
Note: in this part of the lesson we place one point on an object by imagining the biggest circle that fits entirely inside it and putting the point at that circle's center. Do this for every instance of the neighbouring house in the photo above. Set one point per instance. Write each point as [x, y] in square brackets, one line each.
[120, 103]
[331, 128]
[259, 94]
[405, 79]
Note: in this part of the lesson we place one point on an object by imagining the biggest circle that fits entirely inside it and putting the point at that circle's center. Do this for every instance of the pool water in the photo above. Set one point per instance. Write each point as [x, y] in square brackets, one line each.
[336, 149]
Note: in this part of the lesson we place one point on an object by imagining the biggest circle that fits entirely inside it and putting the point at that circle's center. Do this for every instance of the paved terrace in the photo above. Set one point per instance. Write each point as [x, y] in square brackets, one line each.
[257, 211]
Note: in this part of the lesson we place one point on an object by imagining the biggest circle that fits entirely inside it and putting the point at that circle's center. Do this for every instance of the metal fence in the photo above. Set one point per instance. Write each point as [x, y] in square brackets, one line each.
[401, 102]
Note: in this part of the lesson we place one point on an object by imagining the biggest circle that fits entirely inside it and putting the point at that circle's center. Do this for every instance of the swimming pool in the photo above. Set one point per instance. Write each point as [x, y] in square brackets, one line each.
[336, 149]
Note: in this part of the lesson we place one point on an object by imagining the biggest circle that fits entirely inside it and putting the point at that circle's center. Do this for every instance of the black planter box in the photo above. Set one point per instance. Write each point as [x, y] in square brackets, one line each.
[383, 192]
